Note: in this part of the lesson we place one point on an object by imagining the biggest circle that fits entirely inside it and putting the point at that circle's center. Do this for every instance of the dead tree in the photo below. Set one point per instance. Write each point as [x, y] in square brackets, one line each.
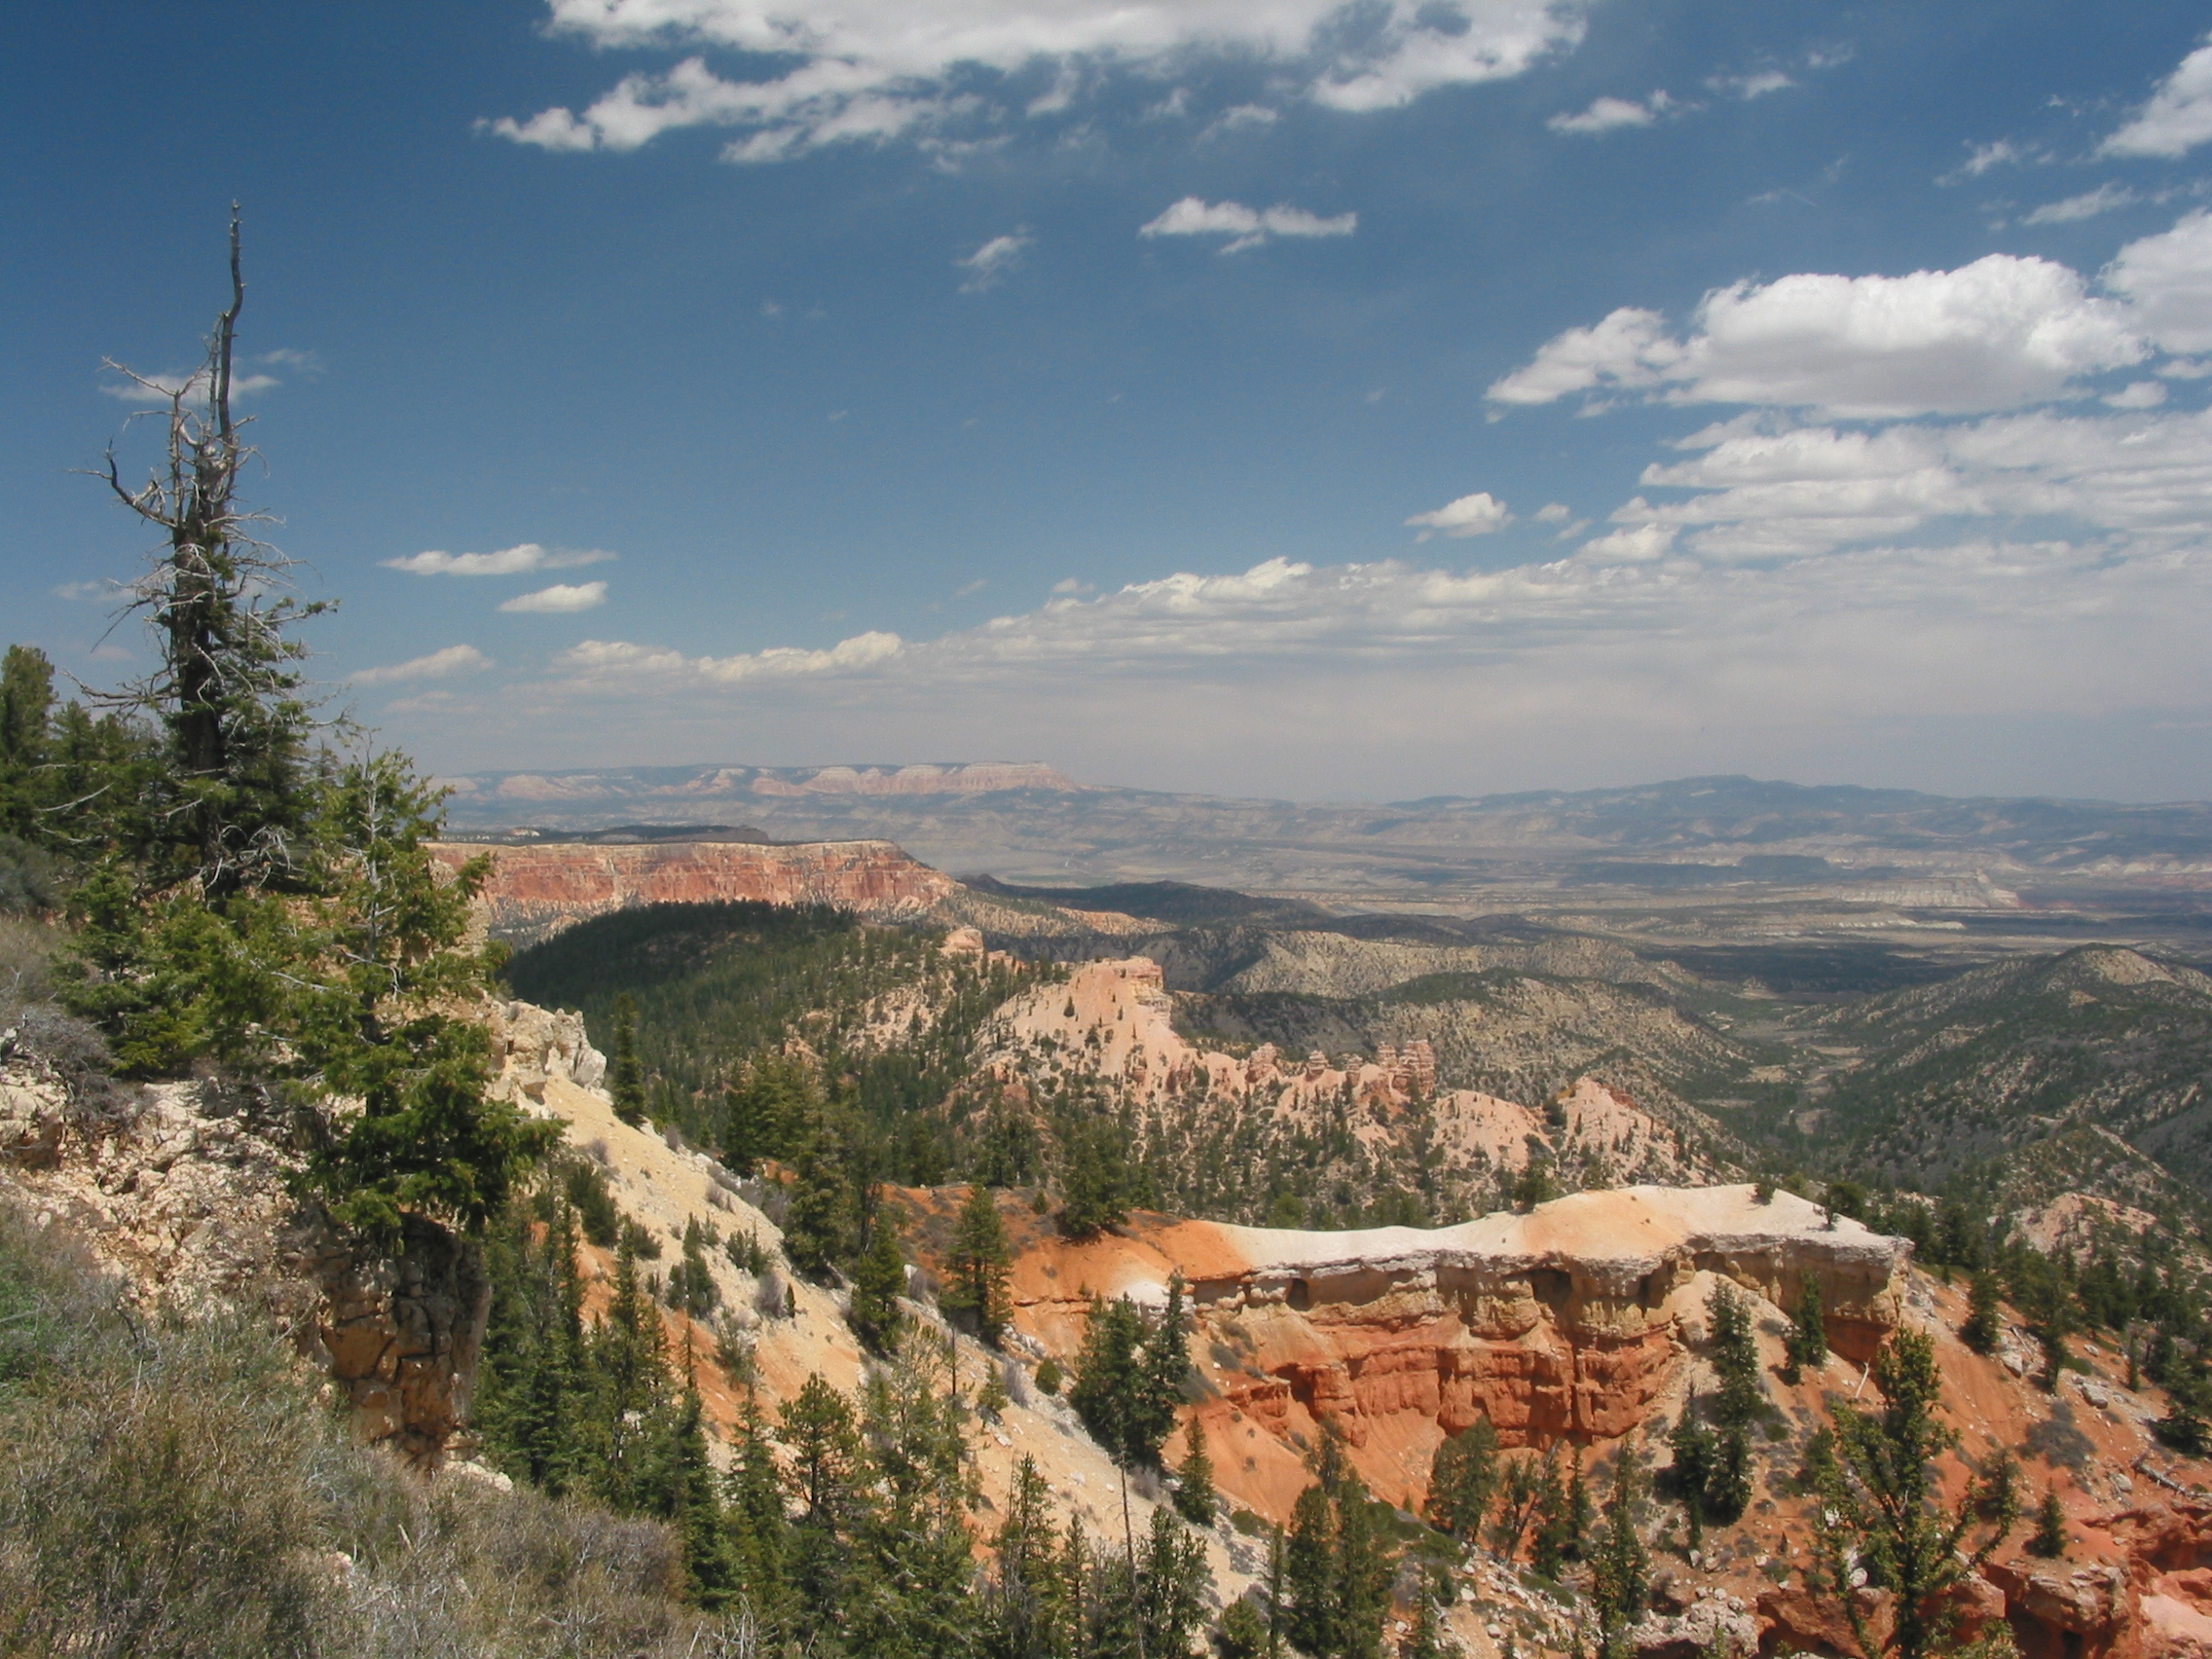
[228, 690]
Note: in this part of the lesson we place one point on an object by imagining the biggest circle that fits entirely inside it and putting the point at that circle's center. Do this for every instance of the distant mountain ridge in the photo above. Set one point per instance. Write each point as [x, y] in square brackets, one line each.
[1031, 825]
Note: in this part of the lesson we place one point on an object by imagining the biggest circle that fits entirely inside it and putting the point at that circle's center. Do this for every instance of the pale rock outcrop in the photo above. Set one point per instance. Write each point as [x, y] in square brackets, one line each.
[533, 1045]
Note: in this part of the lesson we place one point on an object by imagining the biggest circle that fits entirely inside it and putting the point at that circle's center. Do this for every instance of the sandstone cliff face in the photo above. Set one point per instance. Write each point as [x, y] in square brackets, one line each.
[1567, 1322]
[534, 892]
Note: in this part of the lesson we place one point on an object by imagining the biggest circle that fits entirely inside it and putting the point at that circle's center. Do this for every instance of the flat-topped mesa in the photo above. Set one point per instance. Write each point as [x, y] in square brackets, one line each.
[1561, 1323]
[1596, 1264]
[534, 892]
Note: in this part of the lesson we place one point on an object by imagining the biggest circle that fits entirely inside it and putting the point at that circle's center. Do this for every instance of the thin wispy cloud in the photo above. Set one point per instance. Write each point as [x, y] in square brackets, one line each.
[989, 264]
[1244, 227]
[518, 560]
[2086, 205]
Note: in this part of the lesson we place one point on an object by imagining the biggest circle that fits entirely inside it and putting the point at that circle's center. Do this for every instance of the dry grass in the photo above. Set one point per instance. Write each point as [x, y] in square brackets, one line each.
[176, 1489]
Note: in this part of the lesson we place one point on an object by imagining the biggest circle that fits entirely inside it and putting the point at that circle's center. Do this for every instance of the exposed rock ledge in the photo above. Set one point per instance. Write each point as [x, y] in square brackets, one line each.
[1565, 1322]
[534, 892]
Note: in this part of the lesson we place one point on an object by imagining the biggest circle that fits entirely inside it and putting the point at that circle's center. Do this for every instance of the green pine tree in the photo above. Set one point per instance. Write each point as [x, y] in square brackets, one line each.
[1880, 1509]
[625, 1072]
[1464, 1480]
[1620, 1575]
[1985, 1323]
[1095, 1179]
[2049, 1537]
[1194, 1498]
[978, 1267]
[1808, 1339]
[819, 1225]
[680, 1486]
[879, 1280]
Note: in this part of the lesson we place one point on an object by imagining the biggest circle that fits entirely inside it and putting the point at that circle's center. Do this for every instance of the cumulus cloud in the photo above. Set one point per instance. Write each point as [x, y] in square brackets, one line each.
[2167, 280]
[2177, 119]
[1997, 333]
[512, 561]
[2143, 477]
[988, 265]
[1245, 227]
[437, 665]
[558, 599]
[881, 70]
[619, 661]
[1470, 515]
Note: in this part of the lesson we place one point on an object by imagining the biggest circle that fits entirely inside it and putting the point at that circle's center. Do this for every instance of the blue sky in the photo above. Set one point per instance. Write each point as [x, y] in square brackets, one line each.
[1281, 397]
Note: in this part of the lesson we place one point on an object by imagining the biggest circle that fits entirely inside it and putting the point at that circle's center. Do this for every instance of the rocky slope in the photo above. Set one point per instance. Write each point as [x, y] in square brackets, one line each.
[1217, 1122]
[1580, 1321]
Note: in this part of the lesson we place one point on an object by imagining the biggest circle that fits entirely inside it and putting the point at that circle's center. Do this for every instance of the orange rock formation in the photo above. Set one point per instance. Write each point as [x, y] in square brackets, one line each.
[534, 892]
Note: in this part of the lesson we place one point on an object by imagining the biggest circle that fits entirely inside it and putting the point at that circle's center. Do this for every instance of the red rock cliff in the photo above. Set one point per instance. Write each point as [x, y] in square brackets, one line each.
[1562, 1323]
[534, 892]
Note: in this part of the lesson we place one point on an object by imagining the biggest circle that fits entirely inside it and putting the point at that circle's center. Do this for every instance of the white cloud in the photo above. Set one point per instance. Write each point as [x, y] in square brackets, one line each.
[438, 665]
[879, 69]
[2138, 394]
[1634, 544]
[1607, 114]
[1246, 227]
[560, 598]
[1554, 512]
[988, 265]
[2087, 205]
[1470, 515]
[2143, 477]
[2177, 119]
[1980, 158]
[1630, 348]
[96, 589]
[506, 562]
[618, 660]
[2167, 280]
[1239, 117]
[1755, 85]
[155, 391]
[2000, 332]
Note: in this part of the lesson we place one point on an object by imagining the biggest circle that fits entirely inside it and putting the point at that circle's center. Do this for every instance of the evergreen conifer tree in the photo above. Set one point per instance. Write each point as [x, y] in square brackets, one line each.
[625, 1072]
[878, 1281]
[979, 1266]
[1696, 1463]
[1808, 1339]
[1620, 1575]
[1464, 1480]
[1096, 1181]
[1879, 1507]
[1194, 1498]
[680, 1488]
[1983, 1327]
[1737, 1407]
[818, 1227]
[2050, 1538]
[691, 1288]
